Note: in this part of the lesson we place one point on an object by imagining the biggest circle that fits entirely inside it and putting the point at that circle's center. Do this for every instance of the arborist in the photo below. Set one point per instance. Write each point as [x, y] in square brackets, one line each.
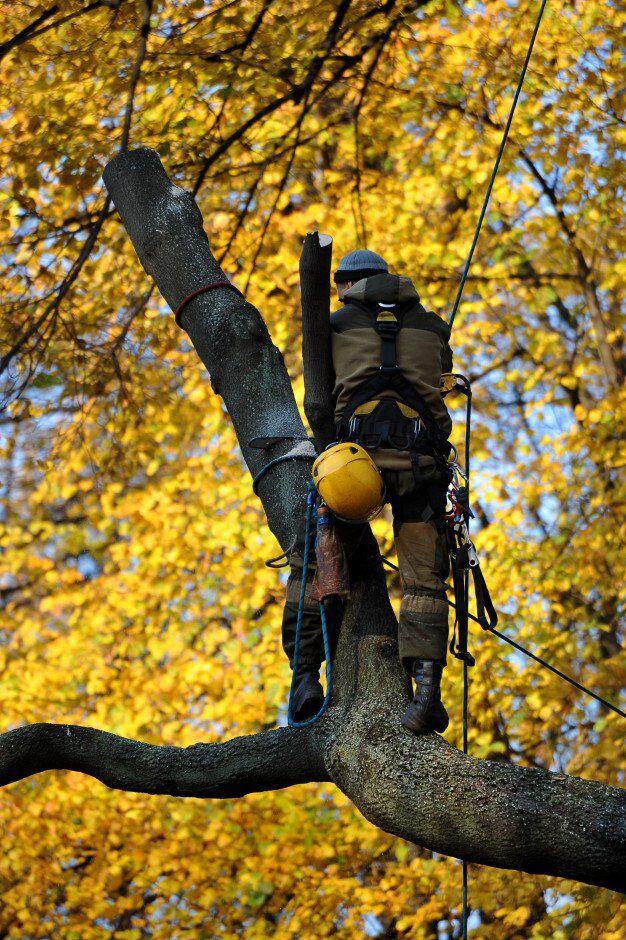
[389, 354]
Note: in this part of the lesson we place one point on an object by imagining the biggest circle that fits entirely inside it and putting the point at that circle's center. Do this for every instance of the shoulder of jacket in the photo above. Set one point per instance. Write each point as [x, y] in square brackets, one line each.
[418, 318]
[352, 316]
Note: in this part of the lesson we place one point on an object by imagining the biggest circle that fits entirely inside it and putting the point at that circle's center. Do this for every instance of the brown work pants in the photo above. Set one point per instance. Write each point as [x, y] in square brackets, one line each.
[424, 566]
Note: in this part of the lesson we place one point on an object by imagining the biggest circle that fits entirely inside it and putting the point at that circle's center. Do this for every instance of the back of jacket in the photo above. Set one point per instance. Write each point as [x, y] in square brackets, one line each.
[422, 347]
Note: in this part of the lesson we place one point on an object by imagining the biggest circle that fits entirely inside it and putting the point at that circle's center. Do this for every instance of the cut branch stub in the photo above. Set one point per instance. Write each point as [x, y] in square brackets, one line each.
[319, 376]
[165, 227]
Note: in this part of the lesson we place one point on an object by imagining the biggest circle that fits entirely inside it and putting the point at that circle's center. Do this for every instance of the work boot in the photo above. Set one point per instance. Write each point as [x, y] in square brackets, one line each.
[308, 695]
[426, 712]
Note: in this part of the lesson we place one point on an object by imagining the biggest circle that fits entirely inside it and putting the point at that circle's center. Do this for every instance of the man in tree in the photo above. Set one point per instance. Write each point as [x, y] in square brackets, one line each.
[389, 355]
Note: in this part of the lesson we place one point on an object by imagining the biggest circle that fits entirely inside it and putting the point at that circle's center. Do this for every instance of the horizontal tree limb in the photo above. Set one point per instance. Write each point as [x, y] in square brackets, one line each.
[492, 812]
[253, 763]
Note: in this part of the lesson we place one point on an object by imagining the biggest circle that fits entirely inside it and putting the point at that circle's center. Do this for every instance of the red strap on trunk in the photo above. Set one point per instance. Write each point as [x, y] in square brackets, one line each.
[202, 290]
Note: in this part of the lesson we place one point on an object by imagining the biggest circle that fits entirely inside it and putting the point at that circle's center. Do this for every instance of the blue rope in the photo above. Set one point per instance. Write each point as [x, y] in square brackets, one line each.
[311, 497]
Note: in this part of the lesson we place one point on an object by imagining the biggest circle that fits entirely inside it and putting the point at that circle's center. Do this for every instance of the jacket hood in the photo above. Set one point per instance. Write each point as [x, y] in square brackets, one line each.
[383, 289]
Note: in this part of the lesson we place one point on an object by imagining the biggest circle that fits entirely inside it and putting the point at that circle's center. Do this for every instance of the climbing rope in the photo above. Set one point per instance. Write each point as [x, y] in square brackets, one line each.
[457, 301]
[311, 498]
[496, 166]
[303, 449]
[529, 653]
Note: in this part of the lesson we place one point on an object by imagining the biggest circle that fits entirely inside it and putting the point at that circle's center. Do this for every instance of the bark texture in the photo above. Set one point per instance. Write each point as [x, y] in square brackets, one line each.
[228, 333]
[422, 789]
[315, 267]
[234, 768]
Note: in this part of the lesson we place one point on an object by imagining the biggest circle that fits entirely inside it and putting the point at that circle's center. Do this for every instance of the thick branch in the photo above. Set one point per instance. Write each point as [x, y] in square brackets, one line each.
[247, 370]
[421, 789]
[495, 813]
[425, 790]
[315, 264]
[266, 761]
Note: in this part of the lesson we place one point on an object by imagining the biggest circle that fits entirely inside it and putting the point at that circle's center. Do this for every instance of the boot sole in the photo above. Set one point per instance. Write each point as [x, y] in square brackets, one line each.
[309, 707]
[425, 727]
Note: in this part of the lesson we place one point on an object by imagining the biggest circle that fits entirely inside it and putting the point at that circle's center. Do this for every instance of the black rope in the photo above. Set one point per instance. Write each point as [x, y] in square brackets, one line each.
[557, 672]
[274, 463]
[496, 165]
[455, 308]
[464, 897]
[544, 663]
[530, 654]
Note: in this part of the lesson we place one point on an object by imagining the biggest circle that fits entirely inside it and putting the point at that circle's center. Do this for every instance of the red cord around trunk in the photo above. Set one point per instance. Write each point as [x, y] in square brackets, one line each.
[202, 290]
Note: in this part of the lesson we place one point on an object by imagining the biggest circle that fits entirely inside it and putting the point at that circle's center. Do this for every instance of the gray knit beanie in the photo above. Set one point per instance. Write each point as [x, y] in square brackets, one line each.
[359, 264]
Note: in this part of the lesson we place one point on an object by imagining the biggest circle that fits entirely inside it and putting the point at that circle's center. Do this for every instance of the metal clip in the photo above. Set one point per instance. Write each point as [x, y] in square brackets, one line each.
[472, 557]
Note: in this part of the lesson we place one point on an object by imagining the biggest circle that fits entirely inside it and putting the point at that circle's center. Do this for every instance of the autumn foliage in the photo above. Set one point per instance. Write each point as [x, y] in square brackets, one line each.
[133, 594]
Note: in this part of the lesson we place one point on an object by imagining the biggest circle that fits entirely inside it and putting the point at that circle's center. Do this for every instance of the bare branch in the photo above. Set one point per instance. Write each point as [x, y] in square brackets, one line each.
[266, 761]
[609, 357]
[53, 307]
[40, 25]
[144, 32]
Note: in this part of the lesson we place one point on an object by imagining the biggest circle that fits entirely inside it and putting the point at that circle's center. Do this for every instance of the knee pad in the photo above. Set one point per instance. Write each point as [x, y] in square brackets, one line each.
[425, 606]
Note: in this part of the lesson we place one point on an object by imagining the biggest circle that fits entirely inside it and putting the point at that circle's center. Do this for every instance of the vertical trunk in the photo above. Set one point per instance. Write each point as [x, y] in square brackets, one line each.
[229, 335]
[319, 376]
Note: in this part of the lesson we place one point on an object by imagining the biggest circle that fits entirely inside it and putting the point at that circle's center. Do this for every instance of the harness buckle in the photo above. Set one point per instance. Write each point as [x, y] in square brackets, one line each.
[387, 318]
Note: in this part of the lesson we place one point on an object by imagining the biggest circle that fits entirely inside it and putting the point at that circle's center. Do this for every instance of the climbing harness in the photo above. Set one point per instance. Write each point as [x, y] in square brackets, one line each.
[405, 422]
[311, 499]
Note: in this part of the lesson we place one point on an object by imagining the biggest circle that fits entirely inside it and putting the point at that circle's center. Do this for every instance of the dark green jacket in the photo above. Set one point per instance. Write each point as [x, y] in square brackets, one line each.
[422, 345]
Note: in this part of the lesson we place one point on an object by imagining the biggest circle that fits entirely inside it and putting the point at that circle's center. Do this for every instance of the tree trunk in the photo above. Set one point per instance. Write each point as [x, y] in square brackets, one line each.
[420, 788]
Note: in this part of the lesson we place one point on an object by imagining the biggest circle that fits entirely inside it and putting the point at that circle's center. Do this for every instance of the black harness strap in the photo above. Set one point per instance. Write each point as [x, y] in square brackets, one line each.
[387, 327]
[486, 613]
[460, 581]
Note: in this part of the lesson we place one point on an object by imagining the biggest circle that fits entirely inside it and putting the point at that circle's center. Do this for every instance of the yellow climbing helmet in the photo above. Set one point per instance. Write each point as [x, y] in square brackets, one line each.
[349, 482]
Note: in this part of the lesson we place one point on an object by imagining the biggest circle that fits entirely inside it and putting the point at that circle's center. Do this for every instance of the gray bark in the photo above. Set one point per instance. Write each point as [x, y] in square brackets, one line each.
[232, 769]
[421, 789]
[228, 333]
